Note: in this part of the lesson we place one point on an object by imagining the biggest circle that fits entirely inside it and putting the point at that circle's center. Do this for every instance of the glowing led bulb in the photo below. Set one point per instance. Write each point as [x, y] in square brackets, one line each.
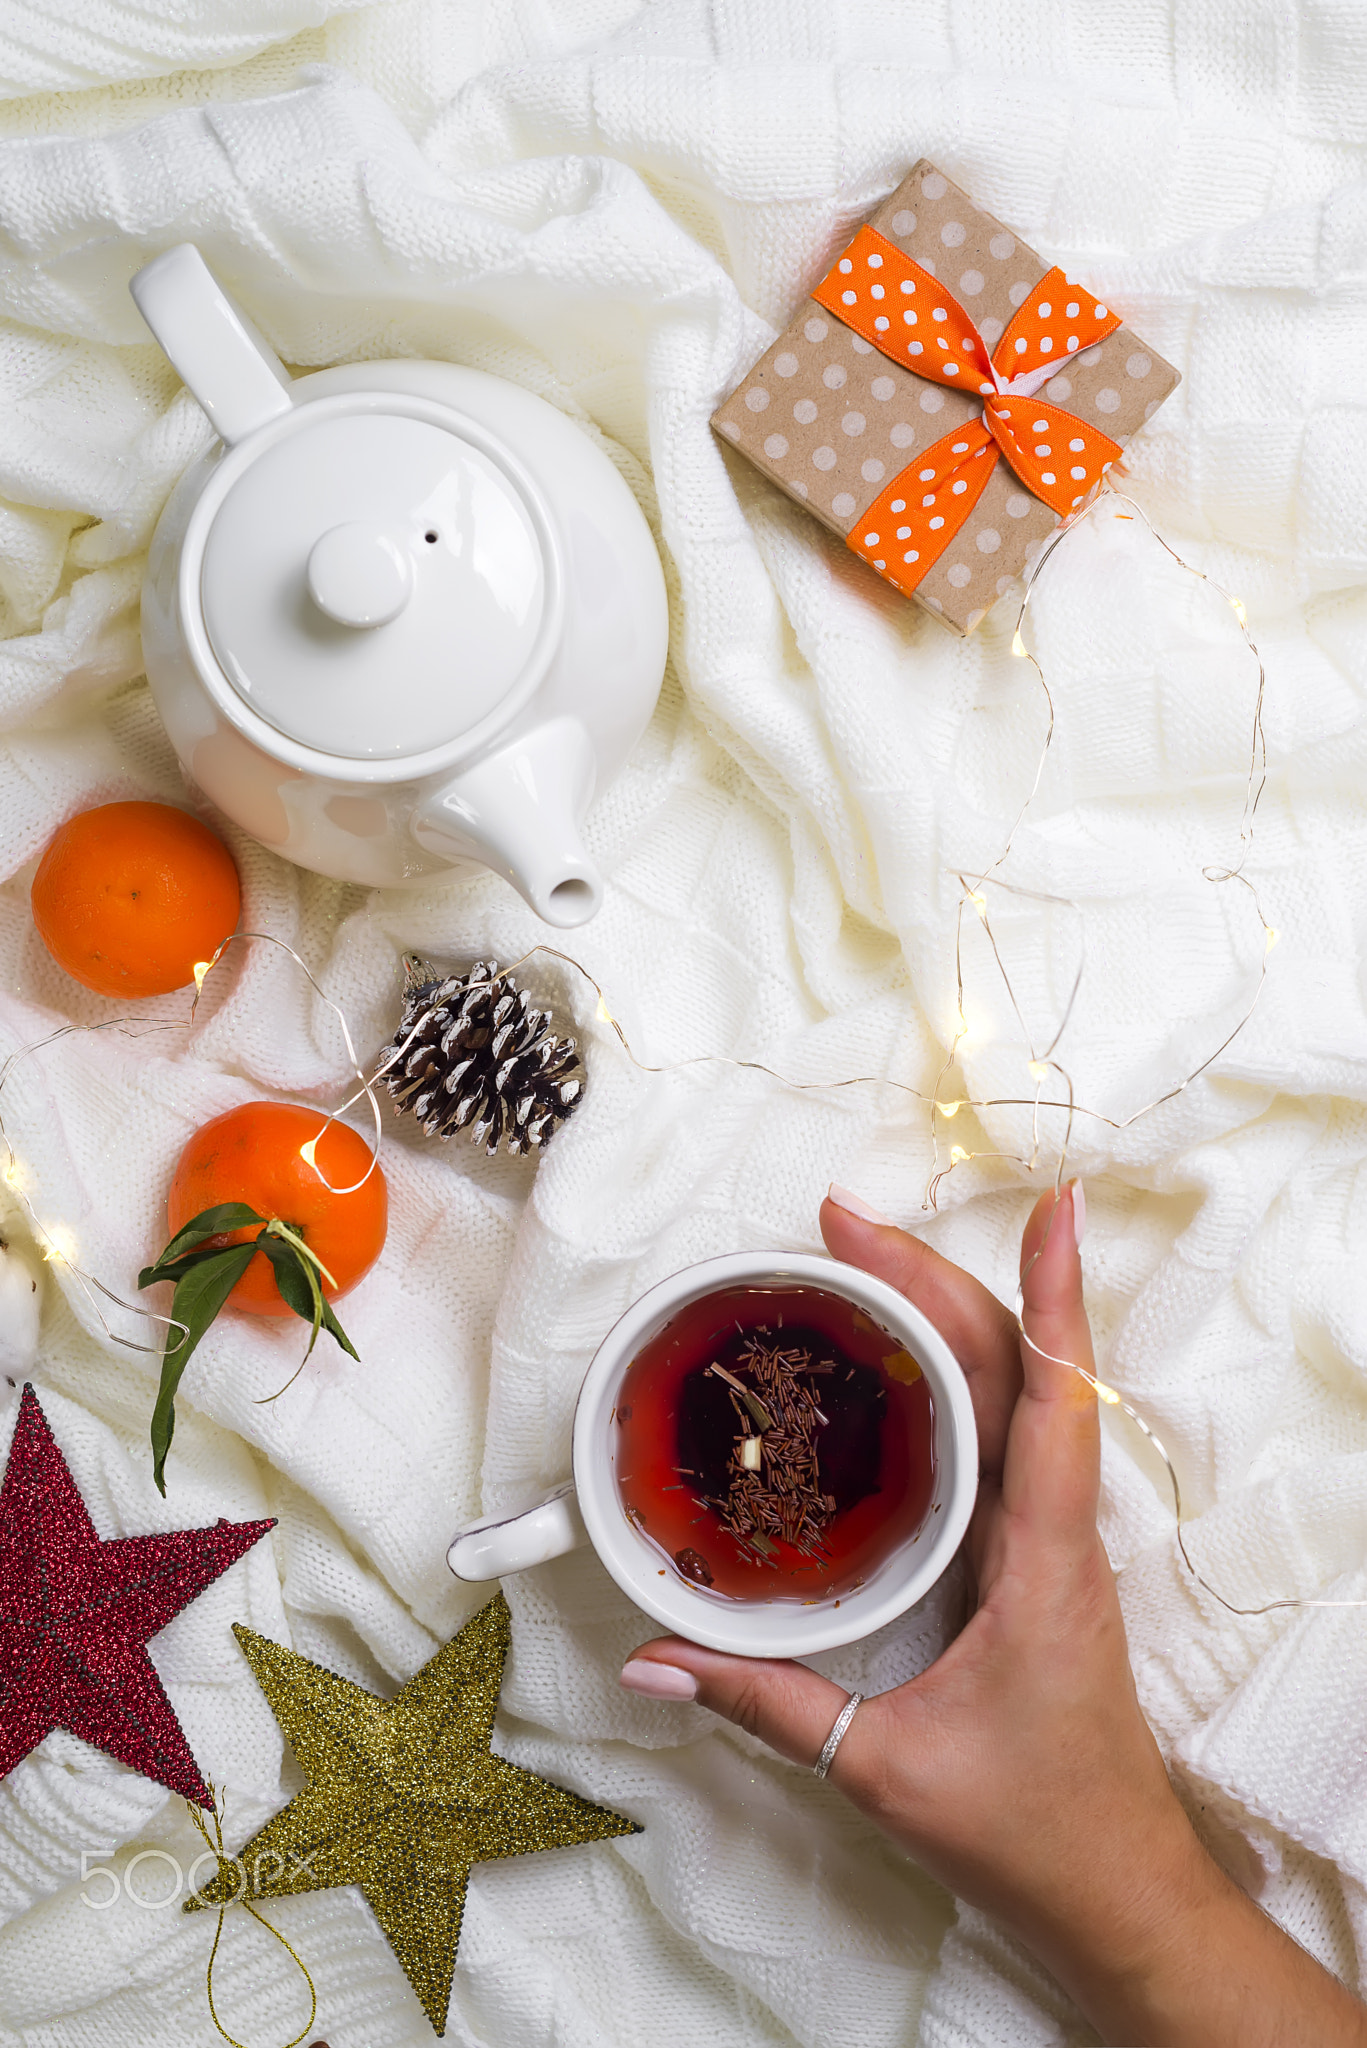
[1018, 646]
[308, 1152]
[201, 968]
[1272, 936]
[603, 1013]
[1240, 610]
[1038, 1070]
[979, 902]
[957, 1155]
[949, 1108]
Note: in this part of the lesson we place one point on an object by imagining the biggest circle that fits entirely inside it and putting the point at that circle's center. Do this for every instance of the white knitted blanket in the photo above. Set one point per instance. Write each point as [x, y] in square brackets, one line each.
[615, 204]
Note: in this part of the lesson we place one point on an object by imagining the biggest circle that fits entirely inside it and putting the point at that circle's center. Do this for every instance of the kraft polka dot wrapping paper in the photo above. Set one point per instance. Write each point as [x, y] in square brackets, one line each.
[944, 398]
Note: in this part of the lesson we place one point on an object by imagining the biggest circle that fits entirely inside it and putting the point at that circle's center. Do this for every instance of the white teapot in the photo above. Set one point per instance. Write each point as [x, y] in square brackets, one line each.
[401, 615]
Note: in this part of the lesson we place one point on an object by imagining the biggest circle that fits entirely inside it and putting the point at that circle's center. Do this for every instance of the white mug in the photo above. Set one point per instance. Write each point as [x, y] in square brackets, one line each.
[590, 1510]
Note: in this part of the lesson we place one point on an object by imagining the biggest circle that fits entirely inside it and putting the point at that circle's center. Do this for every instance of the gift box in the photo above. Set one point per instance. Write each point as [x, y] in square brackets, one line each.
[944, 399]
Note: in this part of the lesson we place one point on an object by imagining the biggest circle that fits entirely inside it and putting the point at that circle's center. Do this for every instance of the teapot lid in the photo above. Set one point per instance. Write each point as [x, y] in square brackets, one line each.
[378, 579]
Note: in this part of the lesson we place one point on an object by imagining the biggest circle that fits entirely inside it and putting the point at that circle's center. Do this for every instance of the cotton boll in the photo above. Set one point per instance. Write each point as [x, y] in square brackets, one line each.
[21, 1301]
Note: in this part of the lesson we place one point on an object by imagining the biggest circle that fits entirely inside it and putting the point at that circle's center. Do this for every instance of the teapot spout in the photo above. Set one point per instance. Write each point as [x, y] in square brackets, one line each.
[518, 811]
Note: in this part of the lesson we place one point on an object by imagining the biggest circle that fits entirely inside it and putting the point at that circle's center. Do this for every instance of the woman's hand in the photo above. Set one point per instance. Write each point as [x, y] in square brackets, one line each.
[1019, 1769]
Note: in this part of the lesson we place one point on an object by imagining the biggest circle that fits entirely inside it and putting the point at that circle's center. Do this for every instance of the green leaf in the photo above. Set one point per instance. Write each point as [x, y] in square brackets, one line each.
[306, 1252]
[297, 1282]
[334, 1329]
[175, 1269]
[205, 1276]
[170, 1264]
[199, 1296]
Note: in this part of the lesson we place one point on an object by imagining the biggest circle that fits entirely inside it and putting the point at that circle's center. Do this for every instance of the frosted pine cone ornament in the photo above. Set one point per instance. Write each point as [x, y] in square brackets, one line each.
[472, 1054]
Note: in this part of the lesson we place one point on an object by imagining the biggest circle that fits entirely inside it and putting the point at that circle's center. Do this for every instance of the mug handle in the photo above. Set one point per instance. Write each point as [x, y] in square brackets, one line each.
[510, 1543]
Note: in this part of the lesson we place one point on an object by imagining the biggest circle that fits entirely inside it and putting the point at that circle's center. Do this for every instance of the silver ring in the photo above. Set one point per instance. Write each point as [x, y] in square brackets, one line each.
[837, 1734]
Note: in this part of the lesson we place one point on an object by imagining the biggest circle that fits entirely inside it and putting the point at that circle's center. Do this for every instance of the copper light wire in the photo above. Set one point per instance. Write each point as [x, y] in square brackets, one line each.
[1042, 1061]
[308, 1151]
[54, 1244]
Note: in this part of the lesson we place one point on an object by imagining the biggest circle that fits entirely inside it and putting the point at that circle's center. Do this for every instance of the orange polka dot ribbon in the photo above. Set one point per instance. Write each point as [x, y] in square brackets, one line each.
[894, 303]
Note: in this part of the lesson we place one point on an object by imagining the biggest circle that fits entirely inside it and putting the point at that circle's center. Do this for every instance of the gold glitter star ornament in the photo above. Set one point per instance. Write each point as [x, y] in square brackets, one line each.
[404, 1796]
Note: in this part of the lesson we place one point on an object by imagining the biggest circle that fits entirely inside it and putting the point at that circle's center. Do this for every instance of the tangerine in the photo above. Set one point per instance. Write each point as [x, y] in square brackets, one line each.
[254, 1154]
[129, 898]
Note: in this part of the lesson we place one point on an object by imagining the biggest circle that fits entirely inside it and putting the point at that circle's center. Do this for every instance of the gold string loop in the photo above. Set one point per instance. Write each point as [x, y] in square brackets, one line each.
[231, 1871]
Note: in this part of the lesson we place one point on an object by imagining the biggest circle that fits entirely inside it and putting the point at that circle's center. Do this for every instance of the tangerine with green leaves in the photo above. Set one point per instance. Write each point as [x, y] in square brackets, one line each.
[263, 1153]
[129, 898]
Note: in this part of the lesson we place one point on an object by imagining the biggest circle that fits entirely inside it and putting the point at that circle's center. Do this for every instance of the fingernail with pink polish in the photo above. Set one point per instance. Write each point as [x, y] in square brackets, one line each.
[1079, 1213]
[658, 1681]
[855, 1205]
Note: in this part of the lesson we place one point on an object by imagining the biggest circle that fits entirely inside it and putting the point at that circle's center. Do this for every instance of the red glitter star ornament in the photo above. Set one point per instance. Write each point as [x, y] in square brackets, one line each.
[76, 1615]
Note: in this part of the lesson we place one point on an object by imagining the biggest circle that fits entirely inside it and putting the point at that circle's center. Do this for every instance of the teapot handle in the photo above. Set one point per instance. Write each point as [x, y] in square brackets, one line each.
[237, 378]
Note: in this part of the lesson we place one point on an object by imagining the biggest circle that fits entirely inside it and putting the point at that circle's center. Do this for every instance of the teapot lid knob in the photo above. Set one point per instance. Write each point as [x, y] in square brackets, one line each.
[373, 583]
[359, 575]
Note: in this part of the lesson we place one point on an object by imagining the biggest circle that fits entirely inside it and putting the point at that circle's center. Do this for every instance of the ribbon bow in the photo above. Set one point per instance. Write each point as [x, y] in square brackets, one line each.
[896, 305]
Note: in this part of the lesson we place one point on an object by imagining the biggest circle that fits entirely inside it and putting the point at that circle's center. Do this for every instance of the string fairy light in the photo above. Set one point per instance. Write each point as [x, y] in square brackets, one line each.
[56, 1242]
[1108, 1395]
[1112, 1399]
[1042, 1064]
[309, 1149]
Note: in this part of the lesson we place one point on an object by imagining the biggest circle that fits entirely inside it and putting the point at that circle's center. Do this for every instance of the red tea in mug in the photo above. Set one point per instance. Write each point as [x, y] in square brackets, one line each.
[774, 1443]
